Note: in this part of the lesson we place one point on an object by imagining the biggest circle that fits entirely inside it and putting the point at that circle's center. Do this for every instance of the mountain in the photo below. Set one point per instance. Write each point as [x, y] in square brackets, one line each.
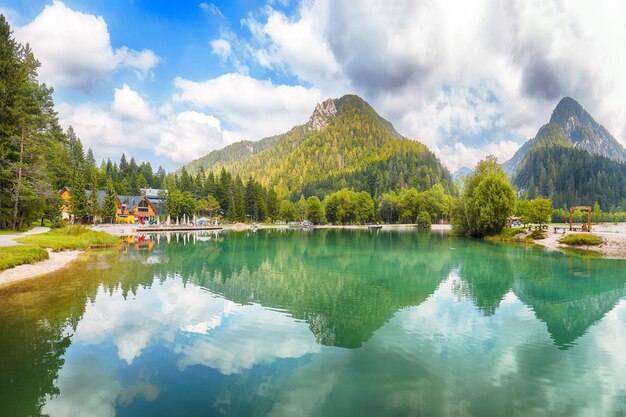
[571, 126]
[344, 144]
[573, 160]
[461, 173]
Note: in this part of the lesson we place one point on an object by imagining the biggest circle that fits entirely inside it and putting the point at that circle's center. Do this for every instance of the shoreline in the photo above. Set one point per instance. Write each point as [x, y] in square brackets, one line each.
[128, 230]
[613, 247]
[56, 261]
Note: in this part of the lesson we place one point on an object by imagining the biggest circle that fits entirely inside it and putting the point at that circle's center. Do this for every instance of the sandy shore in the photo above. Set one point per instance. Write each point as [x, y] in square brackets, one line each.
[614, 236]
[56, 261]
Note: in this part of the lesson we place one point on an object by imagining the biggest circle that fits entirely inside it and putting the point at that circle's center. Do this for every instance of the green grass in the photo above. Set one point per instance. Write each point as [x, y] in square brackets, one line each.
[69, 238]
[510, 234]
[11, 256]
[581, 239]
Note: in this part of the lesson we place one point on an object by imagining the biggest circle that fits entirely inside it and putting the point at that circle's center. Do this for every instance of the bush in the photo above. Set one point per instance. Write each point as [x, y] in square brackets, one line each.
[423, 220]
[538, 234]
[511, 234]
[57, 224]
[581, 239]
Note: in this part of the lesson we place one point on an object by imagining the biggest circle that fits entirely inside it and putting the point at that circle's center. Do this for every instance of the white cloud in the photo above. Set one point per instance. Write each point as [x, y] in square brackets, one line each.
[444, 71]
[211, 8]
[85, 391]
[141, 61]
[254, 108]
[131, 125]
[221, 47]
[129, 104]
[189, 135]
[159, 313]
[459, 155]
[240, 346]
[75, 48]
[297, 45]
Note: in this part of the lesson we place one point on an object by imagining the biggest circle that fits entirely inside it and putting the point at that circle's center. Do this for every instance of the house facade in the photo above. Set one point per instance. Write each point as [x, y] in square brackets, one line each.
[135, 209]
[130, 209]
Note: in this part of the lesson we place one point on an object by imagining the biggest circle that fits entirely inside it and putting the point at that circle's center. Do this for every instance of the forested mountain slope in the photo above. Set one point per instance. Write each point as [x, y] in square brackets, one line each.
[344, 144]
[573, 160]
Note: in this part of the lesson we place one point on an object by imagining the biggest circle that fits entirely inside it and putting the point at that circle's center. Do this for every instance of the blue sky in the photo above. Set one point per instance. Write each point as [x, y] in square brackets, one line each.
[169, 81]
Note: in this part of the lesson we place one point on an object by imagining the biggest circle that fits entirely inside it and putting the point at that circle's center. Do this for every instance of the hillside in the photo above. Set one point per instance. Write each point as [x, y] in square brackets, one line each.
[345, 143]
[231, 153]
[568, 161]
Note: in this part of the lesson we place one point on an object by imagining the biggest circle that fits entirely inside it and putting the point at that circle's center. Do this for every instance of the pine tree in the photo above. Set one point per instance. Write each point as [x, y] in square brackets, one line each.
[186, 182]
[109, 209]
[27, 129]
[79, 206]
[272, 203]
[301, 208]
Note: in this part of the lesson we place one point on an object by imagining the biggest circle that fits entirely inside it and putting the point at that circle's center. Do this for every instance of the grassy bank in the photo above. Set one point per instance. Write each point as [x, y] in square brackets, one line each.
[582, 239]
[11, 256]
[511, 234]
[71, 238]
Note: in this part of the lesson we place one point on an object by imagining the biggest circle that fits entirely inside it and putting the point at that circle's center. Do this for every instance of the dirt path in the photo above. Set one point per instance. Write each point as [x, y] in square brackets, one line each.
[9, 240]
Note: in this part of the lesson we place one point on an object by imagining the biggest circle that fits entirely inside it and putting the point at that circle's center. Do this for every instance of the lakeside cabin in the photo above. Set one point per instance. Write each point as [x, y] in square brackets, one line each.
[137, 209]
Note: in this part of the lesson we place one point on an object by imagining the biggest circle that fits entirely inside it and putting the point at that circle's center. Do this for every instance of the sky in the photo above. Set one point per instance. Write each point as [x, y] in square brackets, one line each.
[168, 81]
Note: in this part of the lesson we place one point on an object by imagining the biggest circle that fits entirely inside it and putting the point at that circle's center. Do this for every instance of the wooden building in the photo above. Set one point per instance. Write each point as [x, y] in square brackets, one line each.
[130, 209]
[135, 209]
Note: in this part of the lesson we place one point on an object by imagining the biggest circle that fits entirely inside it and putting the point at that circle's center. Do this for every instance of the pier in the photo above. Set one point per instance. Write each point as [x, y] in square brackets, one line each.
[176, 228]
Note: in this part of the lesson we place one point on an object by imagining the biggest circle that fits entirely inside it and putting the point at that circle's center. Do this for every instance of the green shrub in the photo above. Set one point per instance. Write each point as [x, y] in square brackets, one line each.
[511, 234]
[423, 220]
[581, 239]
[11, 256]
[538, 234]
[57, 224]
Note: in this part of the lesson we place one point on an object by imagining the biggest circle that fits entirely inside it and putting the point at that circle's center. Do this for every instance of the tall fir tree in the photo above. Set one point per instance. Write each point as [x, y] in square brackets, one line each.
[109, 209]
[27, 127]
[79, 205]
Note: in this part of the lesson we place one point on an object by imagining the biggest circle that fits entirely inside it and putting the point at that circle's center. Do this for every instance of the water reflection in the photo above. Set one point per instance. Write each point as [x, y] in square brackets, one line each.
[318, 323]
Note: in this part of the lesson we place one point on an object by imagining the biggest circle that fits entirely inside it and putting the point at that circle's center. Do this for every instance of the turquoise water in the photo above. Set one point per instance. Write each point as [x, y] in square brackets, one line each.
[317, 323]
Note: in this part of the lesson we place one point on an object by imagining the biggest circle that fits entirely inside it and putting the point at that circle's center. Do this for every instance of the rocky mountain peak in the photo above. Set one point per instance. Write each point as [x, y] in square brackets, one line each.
[571, 125]
[323, 112]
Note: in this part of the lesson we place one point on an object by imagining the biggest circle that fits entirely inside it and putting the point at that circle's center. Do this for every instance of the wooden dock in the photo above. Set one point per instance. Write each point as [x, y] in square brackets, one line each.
[176, 228]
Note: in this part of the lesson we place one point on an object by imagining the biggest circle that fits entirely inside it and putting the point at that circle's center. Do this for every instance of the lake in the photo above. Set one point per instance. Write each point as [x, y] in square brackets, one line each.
[317, 323]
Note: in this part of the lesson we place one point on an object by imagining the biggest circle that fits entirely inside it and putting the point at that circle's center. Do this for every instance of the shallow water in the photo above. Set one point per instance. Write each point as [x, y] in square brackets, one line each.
[317, 323]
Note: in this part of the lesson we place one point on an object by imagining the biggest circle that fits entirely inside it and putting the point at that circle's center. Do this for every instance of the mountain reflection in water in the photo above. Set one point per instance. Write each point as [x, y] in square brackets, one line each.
[325, 322]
